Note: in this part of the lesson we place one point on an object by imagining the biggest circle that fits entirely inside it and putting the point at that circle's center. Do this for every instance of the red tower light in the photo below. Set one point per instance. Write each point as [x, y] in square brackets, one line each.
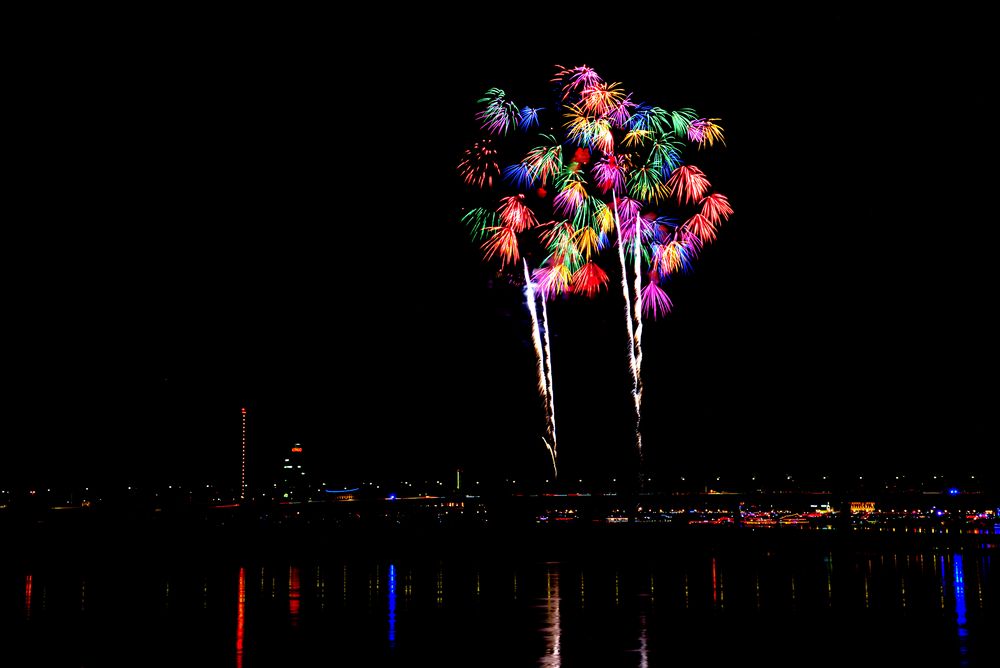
[243, 461]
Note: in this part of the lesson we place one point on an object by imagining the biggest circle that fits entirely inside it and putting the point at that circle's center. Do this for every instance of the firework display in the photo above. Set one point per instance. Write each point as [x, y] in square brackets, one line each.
[595, 168]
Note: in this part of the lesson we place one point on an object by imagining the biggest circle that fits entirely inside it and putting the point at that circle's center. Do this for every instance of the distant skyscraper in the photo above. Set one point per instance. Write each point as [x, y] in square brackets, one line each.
[294, 481]
[243, 459]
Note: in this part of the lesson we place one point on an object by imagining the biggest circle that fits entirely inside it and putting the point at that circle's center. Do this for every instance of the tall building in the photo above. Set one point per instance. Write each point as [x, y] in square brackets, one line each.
[294, 485]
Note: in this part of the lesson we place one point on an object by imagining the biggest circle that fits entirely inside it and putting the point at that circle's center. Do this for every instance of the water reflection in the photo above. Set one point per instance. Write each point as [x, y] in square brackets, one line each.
[609, 616]
[294, 595]
[240, 612]
[392, 605]
[320, 587]
[963, 632]
[941, 582]
[27, 597]
[717, 593]
[868, 574]
[643, 643]
[553, 628]
[828, 560]
[439, 584]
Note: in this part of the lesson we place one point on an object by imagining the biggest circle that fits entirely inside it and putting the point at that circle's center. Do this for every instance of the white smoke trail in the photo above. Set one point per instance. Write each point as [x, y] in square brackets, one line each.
[553, 631]
[543, 384]
[633, 367]
[643, 643]
[637, 254]
[548, 367]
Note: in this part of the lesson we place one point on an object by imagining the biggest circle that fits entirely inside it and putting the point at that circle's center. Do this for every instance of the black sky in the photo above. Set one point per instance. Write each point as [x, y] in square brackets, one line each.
[205, 224]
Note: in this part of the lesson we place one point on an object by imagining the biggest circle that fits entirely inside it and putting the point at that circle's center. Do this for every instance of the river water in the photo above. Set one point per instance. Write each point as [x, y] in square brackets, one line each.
[669, 607]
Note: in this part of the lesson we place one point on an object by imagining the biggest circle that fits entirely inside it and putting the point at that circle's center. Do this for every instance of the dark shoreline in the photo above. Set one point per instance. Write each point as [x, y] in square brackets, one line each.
[170, 539]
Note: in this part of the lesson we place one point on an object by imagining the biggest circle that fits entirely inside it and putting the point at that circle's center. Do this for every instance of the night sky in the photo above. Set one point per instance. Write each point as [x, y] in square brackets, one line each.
[206, 227]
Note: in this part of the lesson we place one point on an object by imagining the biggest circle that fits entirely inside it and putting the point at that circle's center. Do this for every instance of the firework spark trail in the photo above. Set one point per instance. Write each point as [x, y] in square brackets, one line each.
[552, 400]
[543, 384]
[536, 338]
[628, 317]
[637, 298]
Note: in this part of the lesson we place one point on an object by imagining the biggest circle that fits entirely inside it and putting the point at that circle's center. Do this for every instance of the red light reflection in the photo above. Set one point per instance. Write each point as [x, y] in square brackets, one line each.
[293, 595]
[240, 609]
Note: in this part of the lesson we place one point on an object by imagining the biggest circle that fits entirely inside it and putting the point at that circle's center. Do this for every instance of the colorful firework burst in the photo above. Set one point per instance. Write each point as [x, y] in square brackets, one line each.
[618, 174]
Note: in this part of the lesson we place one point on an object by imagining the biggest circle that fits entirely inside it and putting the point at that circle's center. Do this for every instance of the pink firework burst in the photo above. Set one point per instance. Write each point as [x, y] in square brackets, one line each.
[620, 114]
[608, 173]
[655, 301]
[552, 280]
[572, 78]
[646, 227]
[628, 208]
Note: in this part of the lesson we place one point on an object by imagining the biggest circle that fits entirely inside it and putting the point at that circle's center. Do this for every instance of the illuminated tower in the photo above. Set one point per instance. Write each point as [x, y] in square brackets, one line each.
[294, 481]
[243, 459]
